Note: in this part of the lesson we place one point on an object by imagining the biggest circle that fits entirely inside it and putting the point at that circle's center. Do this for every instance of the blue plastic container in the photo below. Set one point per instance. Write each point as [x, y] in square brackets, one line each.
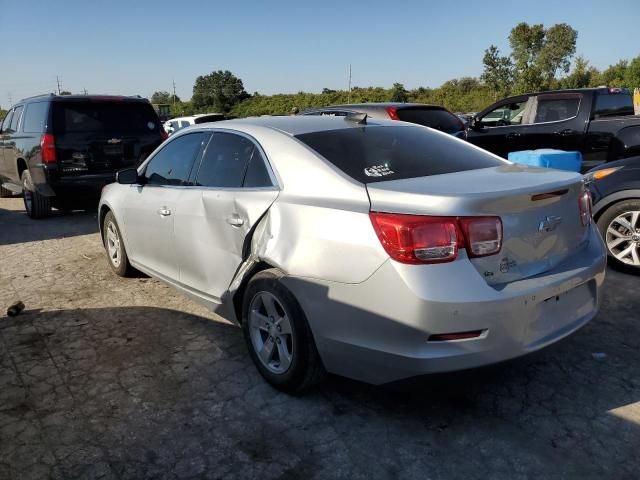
[549, 158]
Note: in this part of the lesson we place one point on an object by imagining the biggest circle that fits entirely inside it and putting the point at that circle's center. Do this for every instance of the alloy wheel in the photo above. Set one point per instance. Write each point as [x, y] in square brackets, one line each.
[113, 245]
[623, 238]
[271, 333]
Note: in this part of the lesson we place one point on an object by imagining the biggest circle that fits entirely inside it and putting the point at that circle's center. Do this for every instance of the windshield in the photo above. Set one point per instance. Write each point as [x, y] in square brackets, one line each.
[379, 153]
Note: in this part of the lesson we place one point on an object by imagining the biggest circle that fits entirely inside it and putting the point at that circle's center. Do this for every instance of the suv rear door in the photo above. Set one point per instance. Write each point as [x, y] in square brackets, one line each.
[4, 170]
[9, 137]
[96, 136]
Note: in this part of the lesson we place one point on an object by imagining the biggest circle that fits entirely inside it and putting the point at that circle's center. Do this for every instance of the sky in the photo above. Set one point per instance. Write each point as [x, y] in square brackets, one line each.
[139, 46]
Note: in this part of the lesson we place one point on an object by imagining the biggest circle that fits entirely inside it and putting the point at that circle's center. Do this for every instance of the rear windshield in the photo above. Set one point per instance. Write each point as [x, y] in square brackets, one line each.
[82, 117]
[377, 153]
[612, 104]
[431, 117]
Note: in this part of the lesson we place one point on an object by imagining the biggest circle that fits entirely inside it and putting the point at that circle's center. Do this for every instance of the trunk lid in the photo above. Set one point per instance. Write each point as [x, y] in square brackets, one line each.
[539, 209]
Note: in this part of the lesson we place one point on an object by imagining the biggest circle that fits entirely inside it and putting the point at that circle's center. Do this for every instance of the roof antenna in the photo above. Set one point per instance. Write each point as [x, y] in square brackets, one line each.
[359, 118]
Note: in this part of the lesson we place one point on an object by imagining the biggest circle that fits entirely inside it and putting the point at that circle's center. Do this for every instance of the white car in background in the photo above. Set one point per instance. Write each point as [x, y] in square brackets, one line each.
[175, 124]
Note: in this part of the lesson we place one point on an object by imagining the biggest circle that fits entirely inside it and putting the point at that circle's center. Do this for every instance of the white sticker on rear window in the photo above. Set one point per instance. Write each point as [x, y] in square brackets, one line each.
[378, 171]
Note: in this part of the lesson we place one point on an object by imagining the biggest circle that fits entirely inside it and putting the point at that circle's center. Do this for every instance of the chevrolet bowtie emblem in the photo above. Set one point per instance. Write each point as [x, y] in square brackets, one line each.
[549, 224]
[114, 140]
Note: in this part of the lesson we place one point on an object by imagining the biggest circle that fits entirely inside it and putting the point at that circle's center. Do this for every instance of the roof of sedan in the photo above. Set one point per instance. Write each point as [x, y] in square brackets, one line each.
[295, 125]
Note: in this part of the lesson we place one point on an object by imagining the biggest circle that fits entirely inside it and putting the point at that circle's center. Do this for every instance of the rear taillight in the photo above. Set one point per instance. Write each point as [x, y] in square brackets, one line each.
[48, 148]
[483, 235]
[417, 239]
[163, 134]
[584, 203]
[393, 113]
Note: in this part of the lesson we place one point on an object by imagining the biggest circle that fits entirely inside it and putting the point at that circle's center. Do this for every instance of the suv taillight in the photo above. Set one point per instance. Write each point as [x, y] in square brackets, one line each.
[584, 203]
[393, 113]
[418, 239]
[163, 133]
[48, 148]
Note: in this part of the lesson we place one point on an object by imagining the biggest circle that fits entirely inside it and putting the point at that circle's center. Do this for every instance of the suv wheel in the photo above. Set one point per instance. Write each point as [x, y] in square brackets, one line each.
[620, 228]
[36, 205]
[278, 335]
[116, 253]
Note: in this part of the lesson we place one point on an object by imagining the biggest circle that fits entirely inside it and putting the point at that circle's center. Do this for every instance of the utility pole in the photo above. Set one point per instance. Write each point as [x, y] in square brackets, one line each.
[10, 100]
[174, 93]
[58, 82]
[85, 91]
[349, 96]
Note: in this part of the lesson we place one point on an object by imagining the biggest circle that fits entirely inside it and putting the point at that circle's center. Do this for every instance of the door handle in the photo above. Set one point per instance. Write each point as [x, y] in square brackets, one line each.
[235, 220]
[164, 211]
[566, 132]
[512, 135]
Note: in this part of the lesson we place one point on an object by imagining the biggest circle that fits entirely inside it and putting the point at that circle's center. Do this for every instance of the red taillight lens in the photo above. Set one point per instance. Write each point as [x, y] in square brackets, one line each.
[163, 134]
[393, 113]
[585, 207]
[417, 239]
[483, 235]
[48, 148]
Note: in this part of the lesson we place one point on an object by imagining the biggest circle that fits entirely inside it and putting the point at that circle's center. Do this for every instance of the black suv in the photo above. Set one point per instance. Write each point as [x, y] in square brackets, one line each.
[61, 150]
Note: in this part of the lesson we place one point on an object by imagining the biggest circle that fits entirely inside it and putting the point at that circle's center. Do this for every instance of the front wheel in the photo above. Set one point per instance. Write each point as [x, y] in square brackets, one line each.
[36, 204]
[116, 253]
[278, 336]
[619, 226]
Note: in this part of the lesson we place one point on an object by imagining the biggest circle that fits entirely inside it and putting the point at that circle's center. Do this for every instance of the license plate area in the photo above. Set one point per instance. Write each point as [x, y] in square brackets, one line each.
[558, 312]
[113, 150]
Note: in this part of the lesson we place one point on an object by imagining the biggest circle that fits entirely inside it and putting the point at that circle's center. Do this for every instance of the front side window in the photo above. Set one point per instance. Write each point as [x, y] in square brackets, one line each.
[16, 118]
[35, 117]
[184, 123]
[555, 108]
[380, 153]
[225, 162]
[172, 164]
[507, 114]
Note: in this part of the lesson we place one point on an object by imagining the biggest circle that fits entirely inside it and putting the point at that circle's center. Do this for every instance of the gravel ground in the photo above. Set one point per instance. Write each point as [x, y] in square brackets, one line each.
[103, 377]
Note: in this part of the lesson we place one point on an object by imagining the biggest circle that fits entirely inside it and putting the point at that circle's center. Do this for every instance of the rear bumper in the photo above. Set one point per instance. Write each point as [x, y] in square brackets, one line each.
[49, 182]
[378, 331]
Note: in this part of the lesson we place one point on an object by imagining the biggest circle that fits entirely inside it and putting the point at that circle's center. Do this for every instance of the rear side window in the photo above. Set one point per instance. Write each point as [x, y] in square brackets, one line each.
[100, 116]
[377, 153]
[431, 117]
[609, 105]
[35, 117]
[16, 119]
[172, 164]
[225, 161]
[552, 109]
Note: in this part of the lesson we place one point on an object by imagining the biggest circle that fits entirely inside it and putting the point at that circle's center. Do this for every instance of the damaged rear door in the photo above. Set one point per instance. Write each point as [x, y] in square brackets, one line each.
[233, 188]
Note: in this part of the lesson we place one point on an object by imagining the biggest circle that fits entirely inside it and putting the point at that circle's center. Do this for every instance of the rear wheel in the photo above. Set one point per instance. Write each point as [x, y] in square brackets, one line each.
[278, 336]
[620, 228]
[36, 204]
[116, 253]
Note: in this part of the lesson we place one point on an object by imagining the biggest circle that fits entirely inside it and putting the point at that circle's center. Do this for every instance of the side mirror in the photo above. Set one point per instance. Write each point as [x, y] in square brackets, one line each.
[127, 176]
[475, 123]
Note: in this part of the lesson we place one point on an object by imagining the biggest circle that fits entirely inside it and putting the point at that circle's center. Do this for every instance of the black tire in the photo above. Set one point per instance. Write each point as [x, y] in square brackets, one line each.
[122, 267]
[606, 220]
[5, 193]
[37, 205]
[306, 369]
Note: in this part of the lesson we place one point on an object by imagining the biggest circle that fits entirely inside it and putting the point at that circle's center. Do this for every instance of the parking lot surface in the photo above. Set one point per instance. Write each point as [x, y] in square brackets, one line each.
[103, 377]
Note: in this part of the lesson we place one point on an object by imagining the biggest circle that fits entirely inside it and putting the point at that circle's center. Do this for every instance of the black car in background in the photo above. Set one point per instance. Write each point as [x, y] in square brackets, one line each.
[598, 122]
[61, 150]
[615, 189]
[433, 116]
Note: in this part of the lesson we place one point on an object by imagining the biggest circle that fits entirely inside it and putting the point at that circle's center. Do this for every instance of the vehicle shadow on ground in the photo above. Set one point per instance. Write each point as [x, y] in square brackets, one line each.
[17, 227]
[143, 390]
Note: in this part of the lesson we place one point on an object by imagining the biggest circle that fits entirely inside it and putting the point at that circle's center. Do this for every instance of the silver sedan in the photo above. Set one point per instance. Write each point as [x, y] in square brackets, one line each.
[374, 250]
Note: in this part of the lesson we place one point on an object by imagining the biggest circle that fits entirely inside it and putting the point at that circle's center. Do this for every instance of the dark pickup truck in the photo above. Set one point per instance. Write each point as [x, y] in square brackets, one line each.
[598, 122]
